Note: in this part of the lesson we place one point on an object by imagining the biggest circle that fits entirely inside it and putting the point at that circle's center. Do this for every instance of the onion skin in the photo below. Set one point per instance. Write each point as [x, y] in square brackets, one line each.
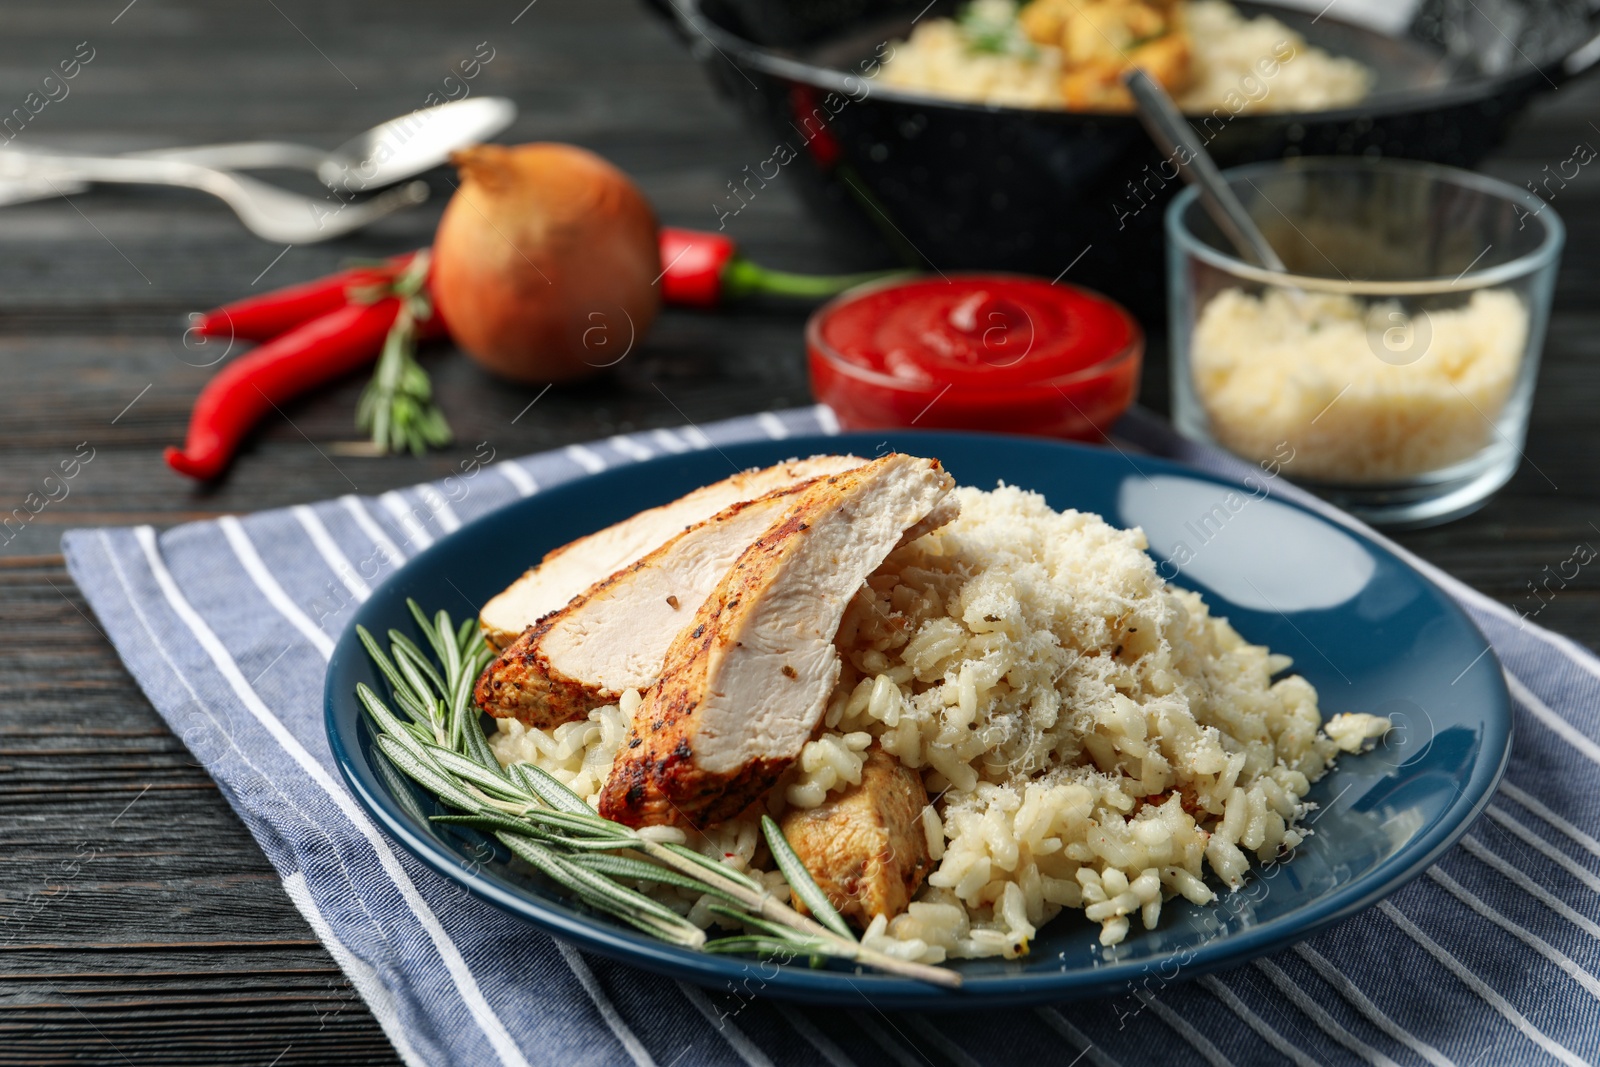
[545, 263]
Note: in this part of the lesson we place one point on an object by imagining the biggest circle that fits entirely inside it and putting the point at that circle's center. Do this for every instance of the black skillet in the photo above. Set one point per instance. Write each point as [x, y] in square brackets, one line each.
[969, 186]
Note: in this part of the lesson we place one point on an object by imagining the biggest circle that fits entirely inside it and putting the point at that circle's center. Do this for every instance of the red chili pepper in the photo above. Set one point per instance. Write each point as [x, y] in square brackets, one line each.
[263, 317]
[242, 392]
[809, 118]
[692, 265]
[701, 270]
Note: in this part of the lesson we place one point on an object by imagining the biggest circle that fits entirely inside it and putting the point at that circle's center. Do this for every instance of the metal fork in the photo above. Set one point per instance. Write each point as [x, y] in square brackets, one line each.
[266, 210]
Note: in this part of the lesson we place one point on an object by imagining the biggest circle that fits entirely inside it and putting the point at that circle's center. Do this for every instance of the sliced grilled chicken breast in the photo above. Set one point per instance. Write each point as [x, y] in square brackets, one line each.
[866, 847]
[742, 689]
[616, 635]
[943, 513]
[569, 570]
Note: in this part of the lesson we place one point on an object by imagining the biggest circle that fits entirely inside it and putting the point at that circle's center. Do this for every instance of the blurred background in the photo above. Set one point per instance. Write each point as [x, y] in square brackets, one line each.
[96, 287]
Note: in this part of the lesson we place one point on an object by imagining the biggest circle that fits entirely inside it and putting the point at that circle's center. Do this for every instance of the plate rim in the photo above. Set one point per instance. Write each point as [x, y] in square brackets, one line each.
[798, 983]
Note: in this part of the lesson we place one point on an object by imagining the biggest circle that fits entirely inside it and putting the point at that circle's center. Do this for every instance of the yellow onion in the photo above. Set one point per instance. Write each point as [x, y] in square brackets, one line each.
[545, 262]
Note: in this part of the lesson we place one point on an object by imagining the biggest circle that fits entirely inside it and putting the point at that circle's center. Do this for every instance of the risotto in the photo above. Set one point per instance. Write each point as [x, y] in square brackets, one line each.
[1092, 739]
[1231, 64]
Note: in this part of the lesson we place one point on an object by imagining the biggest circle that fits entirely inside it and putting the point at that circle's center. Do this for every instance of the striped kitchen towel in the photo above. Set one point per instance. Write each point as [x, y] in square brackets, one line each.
[1493, 957]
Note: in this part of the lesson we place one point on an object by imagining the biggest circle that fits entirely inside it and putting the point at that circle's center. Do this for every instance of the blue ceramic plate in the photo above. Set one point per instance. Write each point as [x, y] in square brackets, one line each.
[1368, 631]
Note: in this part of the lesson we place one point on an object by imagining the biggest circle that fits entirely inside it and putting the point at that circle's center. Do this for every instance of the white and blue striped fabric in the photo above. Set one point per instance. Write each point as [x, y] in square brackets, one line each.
[1493, 957]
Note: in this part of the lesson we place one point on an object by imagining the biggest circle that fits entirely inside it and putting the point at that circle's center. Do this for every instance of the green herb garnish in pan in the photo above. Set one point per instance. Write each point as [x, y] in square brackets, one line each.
[436, 738]
[991, 28]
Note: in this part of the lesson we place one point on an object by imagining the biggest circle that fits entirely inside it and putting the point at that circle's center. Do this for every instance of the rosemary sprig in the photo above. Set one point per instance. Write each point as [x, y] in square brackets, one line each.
[397, 406]
[436, 739]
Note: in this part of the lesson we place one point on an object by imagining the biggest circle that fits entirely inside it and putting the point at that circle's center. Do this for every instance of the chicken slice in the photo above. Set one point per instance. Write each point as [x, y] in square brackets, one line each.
[569, 570]
[944, 512]
[742, 690]
[615, 636]
[866, 847]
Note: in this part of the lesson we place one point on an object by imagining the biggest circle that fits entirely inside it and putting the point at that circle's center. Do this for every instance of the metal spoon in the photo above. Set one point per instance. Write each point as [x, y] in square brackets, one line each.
[388, 153]
[1173, 135]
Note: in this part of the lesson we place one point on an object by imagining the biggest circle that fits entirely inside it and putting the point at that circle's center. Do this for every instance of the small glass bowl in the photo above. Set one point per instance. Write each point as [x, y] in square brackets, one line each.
[1391, 368]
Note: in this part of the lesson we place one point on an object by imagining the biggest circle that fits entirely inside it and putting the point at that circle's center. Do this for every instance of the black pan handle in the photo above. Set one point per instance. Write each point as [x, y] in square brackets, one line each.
[1587, 54]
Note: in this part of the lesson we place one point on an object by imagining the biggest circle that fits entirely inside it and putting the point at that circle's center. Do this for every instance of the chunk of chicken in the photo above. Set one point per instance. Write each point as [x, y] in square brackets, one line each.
[743, 689]
[567, 571]
[866, 847]
[1101, 39]
[1097, 86]
[615, 636]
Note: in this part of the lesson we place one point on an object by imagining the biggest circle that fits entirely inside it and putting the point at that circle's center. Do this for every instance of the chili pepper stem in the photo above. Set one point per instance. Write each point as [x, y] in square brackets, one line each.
[742, 278]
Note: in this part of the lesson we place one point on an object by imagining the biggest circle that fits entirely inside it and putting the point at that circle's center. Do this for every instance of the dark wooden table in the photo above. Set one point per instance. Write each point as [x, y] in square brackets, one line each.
[141, 923]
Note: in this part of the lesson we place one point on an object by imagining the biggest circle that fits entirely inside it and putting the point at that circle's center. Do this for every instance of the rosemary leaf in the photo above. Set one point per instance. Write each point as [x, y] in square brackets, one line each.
[757, 945]
[419, 731]
[594, 882]
[801, 882]
[435, 428]
[418, 656]
[397, 682]
[403, 794]
[466, 637]
[418, 713]
[680, 933]
[640, 870]
[455, 763]
[417, 688]
[380, 658]
[592, 826]
[449, 651]
[487, 820]
[427, 776]
[598, 890]
[582, 844]
[477, 745]
[412, 703]
[578, 843]
[481, 658]
[422, 672]
[441, 725]
[550, 789]
[388, 725]
[372, 406]
[425, 624]
[576, 847]
[809, 943]
[716, 868]
[492, 821]
[463, 713]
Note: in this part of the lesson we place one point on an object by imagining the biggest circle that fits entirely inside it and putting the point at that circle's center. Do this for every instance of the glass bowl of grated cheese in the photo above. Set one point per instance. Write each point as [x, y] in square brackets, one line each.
[1391, 367]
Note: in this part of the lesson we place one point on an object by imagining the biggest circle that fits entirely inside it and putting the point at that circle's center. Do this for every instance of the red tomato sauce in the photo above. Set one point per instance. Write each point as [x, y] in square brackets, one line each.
[976, 352]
